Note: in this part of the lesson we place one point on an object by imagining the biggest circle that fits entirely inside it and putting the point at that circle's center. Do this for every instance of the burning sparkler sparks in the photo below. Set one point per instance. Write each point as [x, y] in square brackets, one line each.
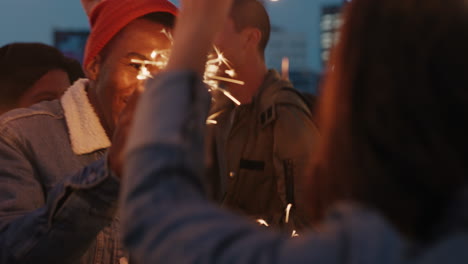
[286, 220]
[216, 61]
[213, 65]
[262, 222]
[158, 59]
[288, 210]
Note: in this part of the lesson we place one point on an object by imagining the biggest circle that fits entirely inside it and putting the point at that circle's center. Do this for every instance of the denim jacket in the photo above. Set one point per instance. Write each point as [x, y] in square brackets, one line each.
[56, 206]
[167, 219]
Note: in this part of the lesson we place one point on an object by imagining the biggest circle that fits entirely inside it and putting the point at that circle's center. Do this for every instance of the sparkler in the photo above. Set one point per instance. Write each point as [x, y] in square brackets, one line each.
[286, 220]
[216, 60]
[159, 59]
[263, 222]
[214, 63]
[211, 119]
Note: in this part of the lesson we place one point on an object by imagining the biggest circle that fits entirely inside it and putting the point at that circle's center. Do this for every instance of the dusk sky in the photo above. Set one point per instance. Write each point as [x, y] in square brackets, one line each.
[301, 16]
[36, 20]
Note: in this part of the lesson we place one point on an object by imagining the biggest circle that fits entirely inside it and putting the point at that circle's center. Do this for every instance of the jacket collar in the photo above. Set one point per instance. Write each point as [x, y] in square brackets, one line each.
[86, 132]
[271, 84]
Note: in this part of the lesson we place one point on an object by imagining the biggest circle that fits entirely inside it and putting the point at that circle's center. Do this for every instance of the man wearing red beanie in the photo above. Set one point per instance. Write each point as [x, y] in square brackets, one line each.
[59, 174]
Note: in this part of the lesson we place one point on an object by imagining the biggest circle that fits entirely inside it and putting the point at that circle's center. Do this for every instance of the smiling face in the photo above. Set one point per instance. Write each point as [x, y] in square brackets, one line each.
[113, 76]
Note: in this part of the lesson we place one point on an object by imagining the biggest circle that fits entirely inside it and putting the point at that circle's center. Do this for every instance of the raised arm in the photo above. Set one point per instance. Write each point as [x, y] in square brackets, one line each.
[166, 217]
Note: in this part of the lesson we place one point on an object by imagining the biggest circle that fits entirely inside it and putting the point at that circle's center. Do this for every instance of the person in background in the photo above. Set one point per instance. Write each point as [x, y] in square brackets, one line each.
[262, 148]
[34, 72]
[59, 166]
[390, 183]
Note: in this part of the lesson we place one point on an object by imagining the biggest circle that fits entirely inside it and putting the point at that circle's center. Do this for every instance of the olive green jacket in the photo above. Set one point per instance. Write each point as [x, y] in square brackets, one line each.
[261, 153]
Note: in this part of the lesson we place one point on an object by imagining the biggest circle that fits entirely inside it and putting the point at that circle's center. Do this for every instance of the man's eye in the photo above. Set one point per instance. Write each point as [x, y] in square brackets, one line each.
[137, 66]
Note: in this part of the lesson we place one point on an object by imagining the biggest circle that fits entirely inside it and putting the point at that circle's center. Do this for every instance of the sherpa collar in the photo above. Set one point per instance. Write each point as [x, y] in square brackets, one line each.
[86, 132]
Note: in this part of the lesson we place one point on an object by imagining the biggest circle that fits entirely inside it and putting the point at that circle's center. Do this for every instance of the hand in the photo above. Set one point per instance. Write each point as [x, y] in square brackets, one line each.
[207, 16]
[196, 26]
[88, 5]
[119, 140]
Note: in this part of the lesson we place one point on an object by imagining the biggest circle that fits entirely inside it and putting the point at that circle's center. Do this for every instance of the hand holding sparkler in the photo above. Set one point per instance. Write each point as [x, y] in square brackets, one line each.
[115, 155]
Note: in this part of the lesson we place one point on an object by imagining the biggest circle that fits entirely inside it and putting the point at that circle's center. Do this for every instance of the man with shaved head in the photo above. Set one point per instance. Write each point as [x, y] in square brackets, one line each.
[261, 147]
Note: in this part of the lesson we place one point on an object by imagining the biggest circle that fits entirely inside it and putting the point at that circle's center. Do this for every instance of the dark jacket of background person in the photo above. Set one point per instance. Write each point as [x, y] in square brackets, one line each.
[51, 201]
[167, 218]
[263, 152]
[23, 64]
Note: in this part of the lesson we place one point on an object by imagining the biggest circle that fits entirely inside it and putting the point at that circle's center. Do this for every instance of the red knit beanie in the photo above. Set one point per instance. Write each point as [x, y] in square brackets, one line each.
[111, 16]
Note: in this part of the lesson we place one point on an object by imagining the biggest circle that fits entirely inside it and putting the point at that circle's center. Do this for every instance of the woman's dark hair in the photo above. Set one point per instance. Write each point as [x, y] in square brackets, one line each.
[23, 64]
[394, 112]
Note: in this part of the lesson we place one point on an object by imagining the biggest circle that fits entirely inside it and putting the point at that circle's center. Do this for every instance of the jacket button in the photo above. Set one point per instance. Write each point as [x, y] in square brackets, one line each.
[232, 175]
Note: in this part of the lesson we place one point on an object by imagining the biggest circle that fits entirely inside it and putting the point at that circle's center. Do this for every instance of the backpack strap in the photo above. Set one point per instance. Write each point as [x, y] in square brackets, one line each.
[289, 181]
[293, 98]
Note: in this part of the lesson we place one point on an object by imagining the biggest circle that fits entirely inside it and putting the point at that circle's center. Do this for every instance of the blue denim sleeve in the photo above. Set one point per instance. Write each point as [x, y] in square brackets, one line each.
[166, 217]
[58, 229]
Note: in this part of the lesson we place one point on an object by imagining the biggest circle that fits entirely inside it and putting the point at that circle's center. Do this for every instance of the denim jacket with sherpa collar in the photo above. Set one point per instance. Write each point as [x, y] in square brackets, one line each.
[57, 198]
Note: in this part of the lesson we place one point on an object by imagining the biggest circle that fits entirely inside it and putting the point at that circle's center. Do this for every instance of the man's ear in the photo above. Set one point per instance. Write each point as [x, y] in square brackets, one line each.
[92, 68]
[252, 37]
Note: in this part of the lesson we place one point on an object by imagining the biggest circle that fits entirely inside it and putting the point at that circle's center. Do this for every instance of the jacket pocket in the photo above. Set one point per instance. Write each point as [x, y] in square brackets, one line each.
[252, 165]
